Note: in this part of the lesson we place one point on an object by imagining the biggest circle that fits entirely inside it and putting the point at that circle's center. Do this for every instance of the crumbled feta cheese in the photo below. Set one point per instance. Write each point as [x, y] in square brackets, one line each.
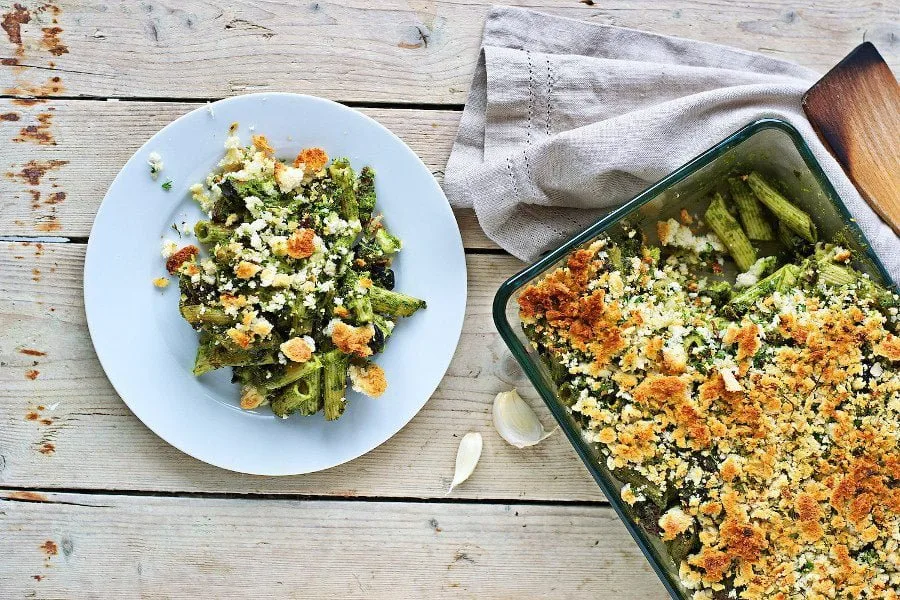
[334, 224]
[156, 164]
[673, 233]
[267, 276]
[169, 248]
[288, 178]
[329, 329]
[200, 197]
[752, 275]
[253, 205]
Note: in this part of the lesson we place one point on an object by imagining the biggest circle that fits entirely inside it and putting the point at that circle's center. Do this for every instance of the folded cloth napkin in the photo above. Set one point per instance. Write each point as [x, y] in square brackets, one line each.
[566, 120]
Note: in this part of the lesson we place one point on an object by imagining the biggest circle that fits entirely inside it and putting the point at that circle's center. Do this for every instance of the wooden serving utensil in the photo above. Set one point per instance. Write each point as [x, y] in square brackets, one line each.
[855, 109]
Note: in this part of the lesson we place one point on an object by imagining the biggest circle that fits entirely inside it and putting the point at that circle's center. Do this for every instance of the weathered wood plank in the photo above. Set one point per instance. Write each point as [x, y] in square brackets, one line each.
[76, 545]
[392, 51]
[85, 436]
[55, 186]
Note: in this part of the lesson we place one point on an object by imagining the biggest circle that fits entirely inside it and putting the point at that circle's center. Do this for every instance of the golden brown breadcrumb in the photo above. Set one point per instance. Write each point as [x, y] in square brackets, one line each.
[312, 159]
[174, 262]
[296, 349]
[353, 340]
[301, 243]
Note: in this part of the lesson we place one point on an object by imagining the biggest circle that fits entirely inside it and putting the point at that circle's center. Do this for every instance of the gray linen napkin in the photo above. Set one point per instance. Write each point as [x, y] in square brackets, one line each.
[566, 120]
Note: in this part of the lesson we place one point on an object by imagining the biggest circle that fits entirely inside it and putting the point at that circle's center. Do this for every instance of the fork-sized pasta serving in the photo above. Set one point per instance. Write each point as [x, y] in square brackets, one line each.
[293, 287]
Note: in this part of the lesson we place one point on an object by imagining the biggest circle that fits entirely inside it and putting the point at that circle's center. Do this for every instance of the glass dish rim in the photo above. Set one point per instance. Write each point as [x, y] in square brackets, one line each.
[517, 281]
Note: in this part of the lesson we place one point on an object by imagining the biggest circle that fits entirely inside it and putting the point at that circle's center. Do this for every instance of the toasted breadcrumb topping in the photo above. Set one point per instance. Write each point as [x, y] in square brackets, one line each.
[251, 398]
[301, 243]
[261, 143]
[246, 270]
[369, 379]
[297, 350]
[778, 435]
[176, 260]
[312, 159]
[352, 340]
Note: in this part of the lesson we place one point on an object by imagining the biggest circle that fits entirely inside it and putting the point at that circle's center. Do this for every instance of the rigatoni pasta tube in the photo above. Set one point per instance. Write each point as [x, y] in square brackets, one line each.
[751, 211]
[302, 396]
[197, 314]
[786, 212]
[781, 280]
[335, 365]
[290, 373]
[210, 233]
[729, 231]
[395, 304]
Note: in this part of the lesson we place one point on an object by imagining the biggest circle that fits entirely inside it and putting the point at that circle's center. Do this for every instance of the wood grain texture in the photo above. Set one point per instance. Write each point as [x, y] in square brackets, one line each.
[76, 545]
[855, 109]
[56, 187]
[413, 51]
[85, 436]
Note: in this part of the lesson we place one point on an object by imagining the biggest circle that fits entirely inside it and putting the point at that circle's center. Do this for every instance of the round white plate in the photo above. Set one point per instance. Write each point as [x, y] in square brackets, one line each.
[147, 349]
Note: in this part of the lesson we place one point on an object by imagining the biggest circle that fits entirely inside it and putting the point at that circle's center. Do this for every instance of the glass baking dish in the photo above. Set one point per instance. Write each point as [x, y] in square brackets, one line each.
[770, 146]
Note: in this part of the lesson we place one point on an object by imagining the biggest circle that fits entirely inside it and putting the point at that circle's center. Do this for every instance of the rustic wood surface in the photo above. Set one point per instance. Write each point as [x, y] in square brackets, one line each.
[92, 504]
[386, 51]
[117, 546]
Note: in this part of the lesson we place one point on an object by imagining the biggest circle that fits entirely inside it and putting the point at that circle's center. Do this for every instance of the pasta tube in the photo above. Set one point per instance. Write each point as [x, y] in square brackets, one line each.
[751, 211]
[794, 218]
[394, 304]
[210, 233]
[729, 231]
[303, 396]
[335, 365]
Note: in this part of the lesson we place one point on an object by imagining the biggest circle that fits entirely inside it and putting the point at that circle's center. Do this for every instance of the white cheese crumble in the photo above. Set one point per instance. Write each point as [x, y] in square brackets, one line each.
[673, 233]
[156, 164]
[253, 204]
[169, 248]
[267, 276]
[329, 329]
[752, 275]
[288, 178]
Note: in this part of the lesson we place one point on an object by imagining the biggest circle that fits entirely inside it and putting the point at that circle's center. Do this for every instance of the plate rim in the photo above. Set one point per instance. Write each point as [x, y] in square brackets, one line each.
[92, 323]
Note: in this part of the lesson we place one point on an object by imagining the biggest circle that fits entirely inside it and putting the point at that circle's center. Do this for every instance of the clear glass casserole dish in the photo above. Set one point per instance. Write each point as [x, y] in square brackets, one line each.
[769, 146]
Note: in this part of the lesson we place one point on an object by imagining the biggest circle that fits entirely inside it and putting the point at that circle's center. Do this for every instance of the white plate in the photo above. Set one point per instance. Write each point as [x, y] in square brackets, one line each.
[147, 349]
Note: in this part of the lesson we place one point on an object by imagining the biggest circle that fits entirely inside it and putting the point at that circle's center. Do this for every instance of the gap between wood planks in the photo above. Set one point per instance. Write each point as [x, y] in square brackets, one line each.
[29, 494]
[163, 99]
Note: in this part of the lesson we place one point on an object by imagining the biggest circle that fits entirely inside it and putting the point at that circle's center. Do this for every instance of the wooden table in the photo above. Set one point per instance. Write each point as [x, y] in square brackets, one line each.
[92, 504]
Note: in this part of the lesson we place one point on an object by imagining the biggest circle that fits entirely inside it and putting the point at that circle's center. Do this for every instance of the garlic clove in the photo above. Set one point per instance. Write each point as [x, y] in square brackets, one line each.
[466, 458]
[516, 422]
